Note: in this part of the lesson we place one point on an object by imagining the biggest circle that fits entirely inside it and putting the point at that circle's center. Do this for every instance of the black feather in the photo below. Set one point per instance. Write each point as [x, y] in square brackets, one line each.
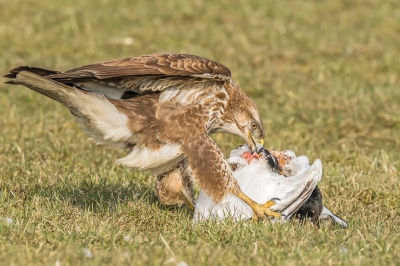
[312, 209]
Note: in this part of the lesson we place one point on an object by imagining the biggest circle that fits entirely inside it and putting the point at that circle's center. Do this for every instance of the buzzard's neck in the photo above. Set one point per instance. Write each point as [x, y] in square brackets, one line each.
[235, 103]
[224, 120]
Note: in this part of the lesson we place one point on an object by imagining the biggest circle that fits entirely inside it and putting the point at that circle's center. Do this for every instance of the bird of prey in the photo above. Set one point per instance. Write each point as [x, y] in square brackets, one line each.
[162, 107]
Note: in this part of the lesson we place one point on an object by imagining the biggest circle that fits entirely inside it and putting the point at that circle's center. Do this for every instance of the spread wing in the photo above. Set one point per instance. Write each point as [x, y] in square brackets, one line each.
[294, 191]
[127, 77]
[160, 65]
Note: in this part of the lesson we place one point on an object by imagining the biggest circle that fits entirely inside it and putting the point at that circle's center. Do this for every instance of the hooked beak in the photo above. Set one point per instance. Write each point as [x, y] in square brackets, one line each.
[255, 145]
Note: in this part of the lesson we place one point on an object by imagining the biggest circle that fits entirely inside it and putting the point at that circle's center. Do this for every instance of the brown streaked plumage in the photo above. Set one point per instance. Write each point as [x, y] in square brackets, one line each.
[162, 107]
[175, 186]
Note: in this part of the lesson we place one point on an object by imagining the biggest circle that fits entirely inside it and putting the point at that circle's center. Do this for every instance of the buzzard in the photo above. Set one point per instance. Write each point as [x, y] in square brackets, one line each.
[162, 107]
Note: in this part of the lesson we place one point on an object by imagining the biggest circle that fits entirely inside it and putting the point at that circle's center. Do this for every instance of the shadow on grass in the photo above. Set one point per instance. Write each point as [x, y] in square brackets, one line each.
[99, 195]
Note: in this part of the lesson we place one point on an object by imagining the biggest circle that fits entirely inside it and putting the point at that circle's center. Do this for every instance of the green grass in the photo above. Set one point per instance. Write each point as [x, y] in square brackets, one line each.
[325, 76]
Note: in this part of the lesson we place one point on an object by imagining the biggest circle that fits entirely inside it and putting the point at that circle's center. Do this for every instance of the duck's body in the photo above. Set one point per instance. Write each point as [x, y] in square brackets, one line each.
[291, 181]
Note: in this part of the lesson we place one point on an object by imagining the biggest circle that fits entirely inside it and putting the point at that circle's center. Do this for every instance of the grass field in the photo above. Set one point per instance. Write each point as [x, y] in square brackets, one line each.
[325, 76]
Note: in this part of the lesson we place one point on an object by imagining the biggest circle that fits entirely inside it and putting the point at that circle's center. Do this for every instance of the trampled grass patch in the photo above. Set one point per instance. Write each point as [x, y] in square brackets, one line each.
[324, 75]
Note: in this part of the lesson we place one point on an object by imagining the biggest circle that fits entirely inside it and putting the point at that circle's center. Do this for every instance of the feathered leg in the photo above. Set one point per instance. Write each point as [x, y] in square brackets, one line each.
[175, 186]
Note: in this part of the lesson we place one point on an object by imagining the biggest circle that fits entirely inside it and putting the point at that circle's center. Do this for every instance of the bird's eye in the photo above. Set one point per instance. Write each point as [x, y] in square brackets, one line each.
[253, 125]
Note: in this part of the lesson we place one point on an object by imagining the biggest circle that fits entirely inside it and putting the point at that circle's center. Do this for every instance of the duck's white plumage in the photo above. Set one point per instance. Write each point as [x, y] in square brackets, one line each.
[327, 214]
[257, 180]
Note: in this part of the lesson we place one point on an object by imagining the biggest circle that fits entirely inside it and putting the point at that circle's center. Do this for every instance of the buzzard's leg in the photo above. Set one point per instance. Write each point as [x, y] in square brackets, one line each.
[175, 187]
[259, 209]
[213, 173]
[187, 186]
[188, 200]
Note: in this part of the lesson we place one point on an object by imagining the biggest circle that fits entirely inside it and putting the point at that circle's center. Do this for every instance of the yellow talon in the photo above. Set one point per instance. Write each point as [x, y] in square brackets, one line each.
[260, 210]
[269, 204]
[190, 205]
[189, 202]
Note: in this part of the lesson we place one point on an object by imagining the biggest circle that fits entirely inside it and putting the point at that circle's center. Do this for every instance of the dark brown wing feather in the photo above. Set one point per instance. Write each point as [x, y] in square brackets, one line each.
[39, 71]
[147, 65]
[126, 77]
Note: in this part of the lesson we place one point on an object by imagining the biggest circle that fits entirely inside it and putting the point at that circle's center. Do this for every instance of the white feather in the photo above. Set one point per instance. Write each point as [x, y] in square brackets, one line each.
[97, 116]
[109, 90]
[167, 165]
[100, 119]
[168, 94]
[327, 214]
[142, 158]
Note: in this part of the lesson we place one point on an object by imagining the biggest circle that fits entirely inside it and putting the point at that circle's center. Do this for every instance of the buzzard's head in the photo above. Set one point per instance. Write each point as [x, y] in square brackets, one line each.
[244, 120]
[250, 127]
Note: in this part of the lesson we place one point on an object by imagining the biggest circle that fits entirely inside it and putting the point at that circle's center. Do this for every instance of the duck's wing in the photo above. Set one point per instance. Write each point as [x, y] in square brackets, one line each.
[294, 191]
[327, 214]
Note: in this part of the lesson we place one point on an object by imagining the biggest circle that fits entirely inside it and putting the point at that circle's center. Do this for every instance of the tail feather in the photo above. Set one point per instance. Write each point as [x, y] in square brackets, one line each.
[47, 87]
[327, 214]
[98, 117]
